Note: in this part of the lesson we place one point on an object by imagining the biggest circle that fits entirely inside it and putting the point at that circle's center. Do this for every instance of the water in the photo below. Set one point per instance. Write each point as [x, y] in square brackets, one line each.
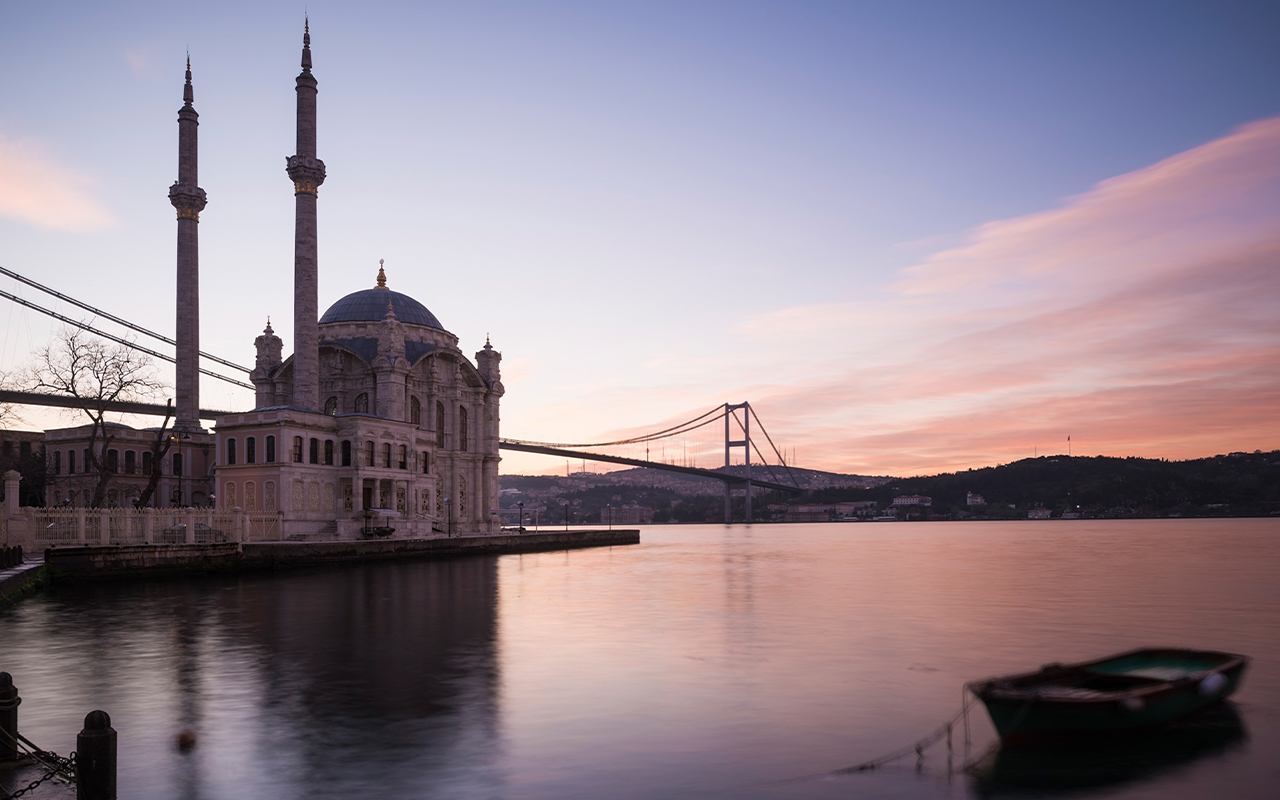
[707, 662]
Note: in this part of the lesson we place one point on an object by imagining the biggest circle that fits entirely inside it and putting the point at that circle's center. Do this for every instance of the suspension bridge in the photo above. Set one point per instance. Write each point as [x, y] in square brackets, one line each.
[718, 444]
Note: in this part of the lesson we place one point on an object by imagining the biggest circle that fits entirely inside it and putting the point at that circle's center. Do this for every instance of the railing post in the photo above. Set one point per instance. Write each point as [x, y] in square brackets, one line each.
[191, 525]
[147, 518]
[96, 758]
[104, 527]
[239, 536]
[9, 701]
[80, 525]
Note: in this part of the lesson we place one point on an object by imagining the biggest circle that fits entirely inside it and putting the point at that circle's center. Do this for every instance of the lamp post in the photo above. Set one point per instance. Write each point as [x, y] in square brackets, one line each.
[448, 515]
[182, 466]
[566, 516]
[521, 505]
[610, 507]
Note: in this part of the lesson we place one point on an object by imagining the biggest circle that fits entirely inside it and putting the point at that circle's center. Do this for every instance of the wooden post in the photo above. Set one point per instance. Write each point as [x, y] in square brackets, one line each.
[96, 758]
[9, 701]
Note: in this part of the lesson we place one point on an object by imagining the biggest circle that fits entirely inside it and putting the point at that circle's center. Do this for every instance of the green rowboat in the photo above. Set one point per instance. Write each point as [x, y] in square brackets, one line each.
[1123, 692]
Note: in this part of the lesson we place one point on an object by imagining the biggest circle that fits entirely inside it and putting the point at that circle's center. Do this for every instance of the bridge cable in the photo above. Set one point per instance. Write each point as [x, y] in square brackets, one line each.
[116, 339]
[675, 430]
[99, 312]
[781, 460]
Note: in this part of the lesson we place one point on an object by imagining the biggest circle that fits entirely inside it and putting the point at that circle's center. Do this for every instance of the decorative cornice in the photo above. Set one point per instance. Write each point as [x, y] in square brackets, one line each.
[307, 174]
[188, 200]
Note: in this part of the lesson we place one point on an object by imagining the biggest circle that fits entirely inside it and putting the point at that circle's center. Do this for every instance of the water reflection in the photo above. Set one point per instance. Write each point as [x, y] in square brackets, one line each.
[1068, 767]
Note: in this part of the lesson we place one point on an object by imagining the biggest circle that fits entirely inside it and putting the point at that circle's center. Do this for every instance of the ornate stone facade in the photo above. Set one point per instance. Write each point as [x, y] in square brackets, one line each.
[378, 419]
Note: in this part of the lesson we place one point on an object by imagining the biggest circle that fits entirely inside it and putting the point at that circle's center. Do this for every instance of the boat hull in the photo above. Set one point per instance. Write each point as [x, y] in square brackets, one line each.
[1106, 696]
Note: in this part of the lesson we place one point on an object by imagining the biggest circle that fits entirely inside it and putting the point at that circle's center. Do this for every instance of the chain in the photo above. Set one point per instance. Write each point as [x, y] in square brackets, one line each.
[30, 786]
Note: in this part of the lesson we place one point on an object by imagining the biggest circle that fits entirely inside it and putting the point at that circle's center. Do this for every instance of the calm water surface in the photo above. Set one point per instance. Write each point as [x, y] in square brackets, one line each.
[707, 662]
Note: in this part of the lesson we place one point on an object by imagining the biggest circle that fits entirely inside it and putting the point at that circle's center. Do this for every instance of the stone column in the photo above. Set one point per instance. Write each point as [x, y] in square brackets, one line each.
[307, 173]
[189, 200]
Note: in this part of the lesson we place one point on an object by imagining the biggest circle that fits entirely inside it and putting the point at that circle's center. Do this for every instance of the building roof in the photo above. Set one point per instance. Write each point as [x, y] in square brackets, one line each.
[370, 305]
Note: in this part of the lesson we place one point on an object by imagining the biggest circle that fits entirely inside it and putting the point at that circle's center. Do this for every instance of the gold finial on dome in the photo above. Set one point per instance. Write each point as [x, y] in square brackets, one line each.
[382, 276]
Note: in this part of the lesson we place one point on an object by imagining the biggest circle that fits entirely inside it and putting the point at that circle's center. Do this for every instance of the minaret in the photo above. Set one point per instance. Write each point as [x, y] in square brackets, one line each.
[189, 199]
[307, 173]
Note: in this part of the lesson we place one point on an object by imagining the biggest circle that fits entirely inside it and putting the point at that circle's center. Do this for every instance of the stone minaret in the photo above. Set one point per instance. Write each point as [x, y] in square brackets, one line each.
[189, 199]
[307, 173]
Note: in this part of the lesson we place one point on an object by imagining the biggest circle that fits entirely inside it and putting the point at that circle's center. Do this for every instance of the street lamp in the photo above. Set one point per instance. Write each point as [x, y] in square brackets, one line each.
[610, 507]
[566, 516]
[521, 505]
[182, 467]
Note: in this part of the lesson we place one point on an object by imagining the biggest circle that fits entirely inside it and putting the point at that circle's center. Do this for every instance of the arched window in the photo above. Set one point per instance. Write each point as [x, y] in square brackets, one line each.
[57, 462]
[362, 403]
[130, 462]
[314, 449]
[113, 461]
[146, 462]
[88, 463]
[439, 424]
[71, 462]
[328, 452]
[462, 427]
[386, 454]
[297, 449]
[331, 406]
[368, 454]
[404, 457]
[251, 450]
[415, 411]
[231, 451]
[346, 452]
[271, 449]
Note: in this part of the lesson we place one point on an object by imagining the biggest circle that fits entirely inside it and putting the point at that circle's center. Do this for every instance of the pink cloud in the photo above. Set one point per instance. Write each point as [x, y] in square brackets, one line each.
[37, 190]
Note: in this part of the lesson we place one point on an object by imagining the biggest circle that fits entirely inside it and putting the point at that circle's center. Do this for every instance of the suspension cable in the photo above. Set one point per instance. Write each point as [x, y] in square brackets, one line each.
[100, 313]
[132, 345]
[675, 430]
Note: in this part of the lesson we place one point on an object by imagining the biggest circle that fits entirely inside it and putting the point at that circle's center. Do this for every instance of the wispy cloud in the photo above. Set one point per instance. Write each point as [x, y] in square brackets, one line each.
[36, 190]
[1142, 317]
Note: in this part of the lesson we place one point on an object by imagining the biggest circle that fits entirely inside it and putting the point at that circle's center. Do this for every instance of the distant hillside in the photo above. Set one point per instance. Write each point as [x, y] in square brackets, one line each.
[1238, 484]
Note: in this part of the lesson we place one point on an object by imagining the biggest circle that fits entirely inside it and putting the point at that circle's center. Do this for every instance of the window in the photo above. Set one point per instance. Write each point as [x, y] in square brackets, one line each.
[251, 450]
[415, 411]
[368, 454]
[426, 465]
[130, 462]
[113, 460]
[439, 424]
[271, 449]
[57, 462]
[331, 406]
[328, 452]
[346, 452]
[71, 462]
[146, 462]
[462, 427]
[362, 403]
[404, 457]
[231, 451]
[87, 462]
[297, 449]
[386, 455]
[177, 464]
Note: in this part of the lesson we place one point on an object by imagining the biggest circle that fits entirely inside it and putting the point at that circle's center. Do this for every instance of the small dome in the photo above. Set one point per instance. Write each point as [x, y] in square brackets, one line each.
[370, 305]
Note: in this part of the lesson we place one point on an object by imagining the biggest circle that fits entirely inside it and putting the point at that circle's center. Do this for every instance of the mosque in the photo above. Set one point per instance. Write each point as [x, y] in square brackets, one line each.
[377, 420]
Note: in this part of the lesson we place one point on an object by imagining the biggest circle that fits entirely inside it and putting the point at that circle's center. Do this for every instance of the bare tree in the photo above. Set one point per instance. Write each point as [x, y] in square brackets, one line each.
[159, 448]
[77, 364]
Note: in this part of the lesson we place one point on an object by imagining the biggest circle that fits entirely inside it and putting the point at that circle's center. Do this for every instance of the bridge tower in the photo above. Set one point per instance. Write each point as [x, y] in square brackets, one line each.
[745, 444]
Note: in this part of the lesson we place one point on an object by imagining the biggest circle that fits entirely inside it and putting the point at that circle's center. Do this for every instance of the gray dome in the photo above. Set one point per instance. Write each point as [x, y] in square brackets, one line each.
[370, 305]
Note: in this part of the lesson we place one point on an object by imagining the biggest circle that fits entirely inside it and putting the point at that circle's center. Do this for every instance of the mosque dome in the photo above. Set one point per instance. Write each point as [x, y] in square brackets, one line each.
[370, 305]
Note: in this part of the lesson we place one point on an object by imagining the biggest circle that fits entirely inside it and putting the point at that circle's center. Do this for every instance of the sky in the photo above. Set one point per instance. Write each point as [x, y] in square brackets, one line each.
[917, 237]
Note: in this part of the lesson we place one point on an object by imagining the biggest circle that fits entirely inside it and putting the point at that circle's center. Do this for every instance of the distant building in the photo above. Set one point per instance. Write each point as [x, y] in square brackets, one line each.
[974, 499]
[1039, 513]
[912, 500]
[630, 514]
